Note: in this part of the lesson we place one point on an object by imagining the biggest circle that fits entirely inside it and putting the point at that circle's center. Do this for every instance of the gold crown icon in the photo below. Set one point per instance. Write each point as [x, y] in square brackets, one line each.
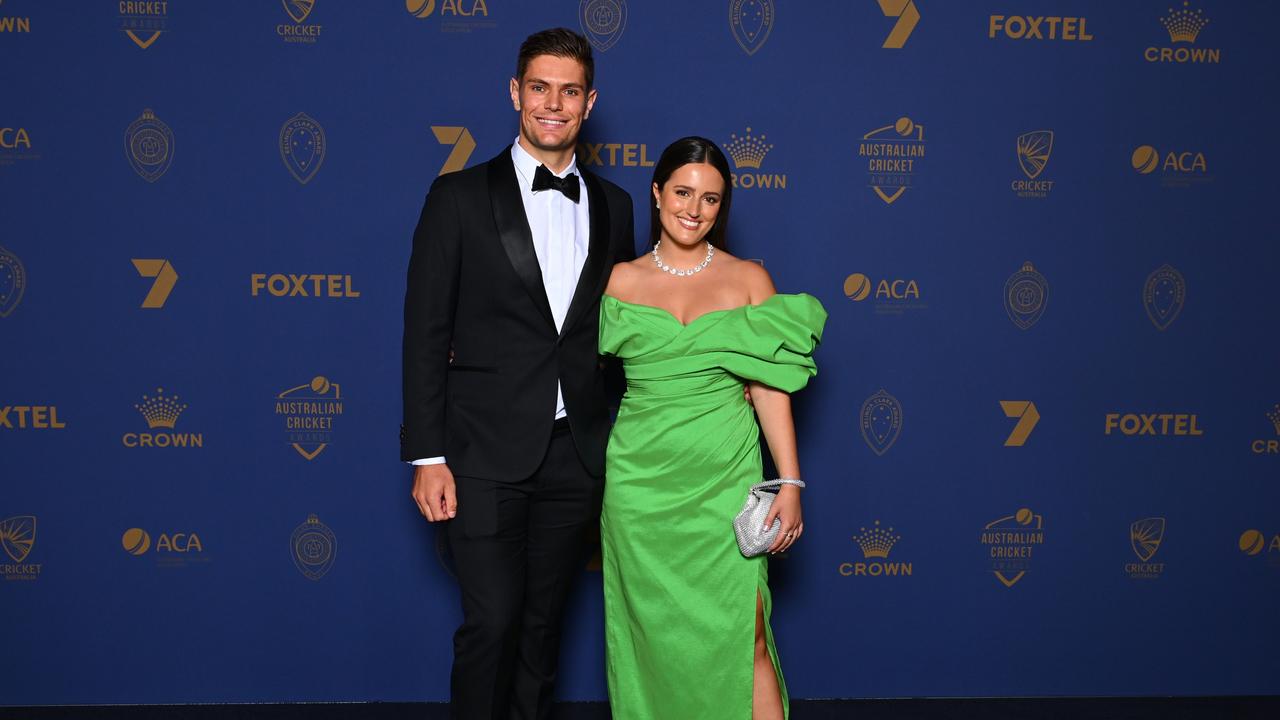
[1184, 25]
[160, 411]
[876, 542]
[1274, 417]
[747, 151]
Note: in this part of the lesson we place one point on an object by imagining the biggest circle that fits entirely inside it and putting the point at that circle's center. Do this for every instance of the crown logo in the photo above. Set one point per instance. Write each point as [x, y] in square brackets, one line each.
[1274, 417]
[876, 542]
[160, 411]
[1184, 25]
[747, 151]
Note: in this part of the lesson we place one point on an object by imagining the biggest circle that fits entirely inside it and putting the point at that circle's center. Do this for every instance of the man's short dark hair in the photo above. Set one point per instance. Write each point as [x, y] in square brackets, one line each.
[560, 42]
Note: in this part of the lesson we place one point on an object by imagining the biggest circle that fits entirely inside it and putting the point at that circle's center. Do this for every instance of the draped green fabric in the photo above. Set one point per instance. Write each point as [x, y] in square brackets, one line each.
[679, 598]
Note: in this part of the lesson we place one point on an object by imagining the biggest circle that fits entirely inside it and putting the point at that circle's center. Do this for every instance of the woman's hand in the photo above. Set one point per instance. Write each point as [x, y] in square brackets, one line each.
[786, 507]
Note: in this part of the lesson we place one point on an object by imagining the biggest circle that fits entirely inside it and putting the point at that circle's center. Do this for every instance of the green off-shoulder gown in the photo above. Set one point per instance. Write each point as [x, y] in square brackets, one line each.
[679, 597]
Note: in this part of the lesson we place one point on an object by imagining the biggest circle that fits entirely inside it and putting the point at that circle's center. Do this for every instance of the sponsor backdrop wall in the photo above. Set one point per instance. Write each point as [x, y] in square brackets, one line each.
[1043, 446]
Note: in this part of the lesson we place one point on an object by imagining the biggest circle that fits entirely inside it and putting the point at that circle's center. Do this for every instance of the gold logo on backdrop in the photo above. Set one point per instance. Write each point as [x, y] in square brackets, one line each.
[751, 21]
[748, 152]
[1270, 446]
[1177, 169]
[149, 145]
[298, 32]
[602, 21]
[880, 420]
[619, 154]
[1163, 296]
[35, 417]
[1033, 150]
[11, 24]
[462, 142]
[161, 412]
[136, 541]
[13, 282]
[302, 147]
[876, 545]
[1145, 537]
[314, 285]
[314, 548]
[908, 16]
[308, 412]
[892, 152]
[1010, 541]
[1026, 293]
[143, 21]
[1027, 415]
[298, 9]
[176, 549]
[1254, 543]
[893, 296]
[15, 146]
[1184, 28]
[166, 277]
[1177, 424]
[456, 16]
[18, 538]
[420, 8]
[1019, 27]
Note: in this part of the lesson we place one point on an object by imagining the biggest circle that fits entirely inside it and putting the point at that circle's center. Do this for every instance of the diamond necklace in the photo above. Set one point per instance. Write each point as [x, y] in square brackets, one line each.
[682, 273]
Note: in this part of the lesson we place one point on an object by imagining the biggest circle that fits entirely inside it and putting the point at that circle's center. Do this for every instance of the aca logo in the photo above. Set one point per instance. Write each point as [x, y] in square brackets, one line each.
[880, 420]
[1019, 27]
[161, 413]
[308, 286]
[302, 147]
[1160, 424]
[876, 544]
[171, 550]
[1184, 28]
[891, 296]
[1026, 293]
[143, 20]
[891, 153]
[1145, 537]
[614, 154]
[1033, 150]
[166, 277]
[15, 146]
[1270, 446]
[748, 154]
[30, 417]
[908, 16]
[1027, 416]
[308, 411]
[1254, 543]
[751, 21]
[455, 15]
[149, 145]
[1178, 168]
[18, 537]
[602, 21]
[10, 24]
[298, 31]
[13, 282]
[463, 145]
[1163, 295]
[314, 548]
[1010, 541]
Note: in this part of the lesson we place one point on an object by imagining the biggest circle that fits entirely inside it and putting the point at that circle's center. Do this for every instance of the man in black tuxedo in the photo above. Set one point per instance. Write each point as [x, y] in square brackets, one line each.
[505, 414]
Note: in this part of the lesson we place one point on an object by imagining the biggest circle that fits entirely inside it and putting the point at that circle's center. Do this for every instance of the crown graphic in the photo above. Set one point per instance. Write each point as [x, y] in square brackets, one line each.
[747, 151]
[1184, 25]
[1274, 416]
[876, 542]
[160, 411]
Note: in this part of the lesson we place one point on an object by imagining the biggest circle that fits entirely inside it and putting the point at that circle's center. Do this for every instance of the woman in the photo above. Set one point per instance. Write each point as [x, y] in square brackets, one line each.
[692, 324]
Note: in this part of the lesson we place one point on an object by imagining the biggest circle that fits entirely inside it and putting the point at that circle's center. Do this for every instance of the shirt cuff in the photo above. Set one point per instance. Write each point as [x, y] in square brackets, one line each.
[429, 461]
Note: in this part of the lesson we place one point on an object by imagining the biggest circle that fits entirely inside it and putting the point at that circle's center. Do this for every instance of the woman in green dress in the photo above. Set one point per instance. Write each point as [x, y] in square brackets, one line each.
[686, 615]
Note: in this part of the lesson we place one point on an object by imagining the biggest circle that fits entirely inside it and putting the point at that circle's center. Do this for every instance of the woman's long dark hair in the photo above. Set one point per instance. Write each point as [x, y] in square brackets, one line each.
[682, 152]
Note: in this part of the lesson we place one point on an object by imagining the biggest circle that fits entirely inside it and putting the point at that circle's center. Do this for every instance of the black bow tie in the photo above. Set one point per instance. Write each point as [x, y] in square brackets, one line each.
[544, 180]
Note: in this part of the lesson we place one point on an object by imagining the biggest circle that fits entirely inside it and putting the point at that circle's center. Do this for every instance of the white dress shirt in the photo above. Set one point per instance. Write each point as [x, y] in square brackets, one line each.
[561, 232]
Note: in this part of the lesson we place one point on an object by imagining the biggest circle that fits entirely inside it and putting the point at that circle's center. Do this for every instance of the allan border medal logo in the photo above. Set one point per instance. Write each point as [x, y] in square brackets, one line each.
[891, 152]
[148, 143]
[18, 537]
[880, 420]
[751, 21]
[314, 548]
[1163, 296]
[13, 282]
[1025, 295]
[603, 21]
[302, 147]
[1011, 540]
[308, 412]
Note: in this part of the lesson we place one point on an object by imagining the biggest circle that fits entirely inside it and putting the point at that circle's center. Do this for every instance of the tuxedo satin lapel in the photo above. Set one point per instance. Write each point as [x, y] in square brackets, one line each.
[513, 229]
[591, 280]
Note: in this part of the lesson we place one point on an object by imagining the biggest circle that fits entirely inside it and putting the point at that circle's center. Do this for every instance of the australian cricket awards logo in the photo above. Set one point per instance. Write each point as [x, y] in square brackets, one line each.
[748, 153]
[308, 411]
[889, 295]
[148, 143]
[298, 31]
[1010, 541]
[880, 420]
[144, 21]
[18, 537]
[13, 282]
[876, 544]
[1184, 26]
[15, 146]
[161, 413]
[891, 153]
[1026, 293]
[1145, 537]
[602, 21]
[1163, 296]
[314, 548]
[1269, 446]
[171, 549]
[751, 21]
[302, 147]
[1033, 150]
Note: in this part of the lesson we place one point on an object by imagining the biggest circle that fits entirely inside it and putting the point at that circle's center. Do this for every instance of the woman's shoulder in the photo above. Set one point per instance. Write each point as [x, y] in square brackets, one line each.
[623, 275]
[749, 277]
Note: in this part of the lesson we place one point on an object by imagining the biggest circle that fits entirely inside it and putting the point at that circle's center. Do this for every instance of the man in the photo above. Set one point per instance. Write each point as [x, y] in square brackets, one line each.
[505, 413]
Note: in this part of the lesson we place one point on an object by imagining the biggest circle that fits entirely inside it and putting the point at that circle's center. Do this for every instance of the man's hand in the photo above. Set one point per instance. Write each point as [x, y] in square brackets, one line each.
[435, 492]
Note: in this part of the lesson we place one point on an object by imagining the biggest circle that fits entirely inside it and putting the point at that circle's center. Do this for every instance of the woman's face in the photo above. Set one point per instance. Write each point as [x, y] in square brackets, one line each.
[689, 202]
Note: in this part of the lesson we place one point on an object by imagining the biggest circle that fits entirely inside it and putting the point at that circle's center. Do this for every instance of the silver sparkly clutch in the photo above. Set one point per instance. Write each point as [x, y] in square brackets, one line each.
[748, 525]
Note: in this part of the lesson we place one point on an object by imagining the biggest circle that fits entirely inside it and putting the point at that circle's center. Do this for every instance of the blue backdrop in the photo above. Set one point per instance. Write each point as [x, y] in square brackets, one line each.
[1059, 480]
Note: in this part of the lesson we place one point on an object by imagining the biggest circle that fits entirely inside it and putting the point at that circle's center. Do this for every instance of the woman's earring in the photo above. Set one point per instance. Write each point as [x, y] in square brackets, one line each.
[657, 204]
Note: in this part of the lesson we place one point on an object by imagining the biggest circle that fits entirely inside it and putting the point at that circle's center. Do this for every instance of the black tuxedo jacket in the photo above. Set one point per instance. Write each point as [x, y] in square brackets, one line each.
[475, 286]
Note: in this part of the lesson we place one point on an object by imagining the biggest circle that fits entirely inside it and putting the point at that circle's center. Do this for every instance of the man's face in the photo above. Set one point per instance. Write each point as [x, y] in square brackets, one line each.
[553, 101]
